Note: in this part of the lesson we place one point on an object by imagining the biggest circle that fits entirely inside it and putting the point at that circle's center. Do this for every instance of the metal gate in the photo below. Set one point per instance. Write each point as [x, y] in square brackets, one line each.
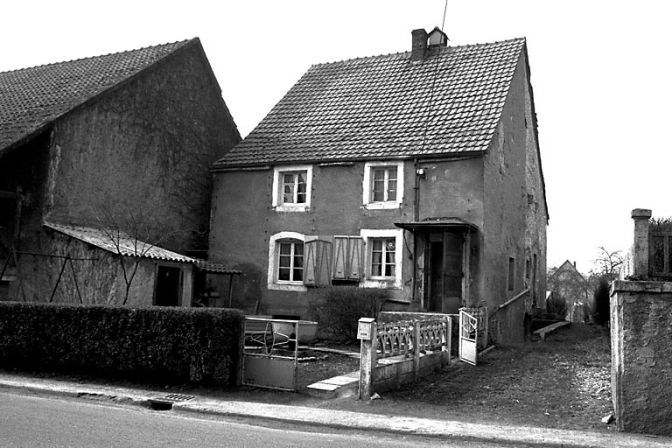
[468, 337]
[270, 353]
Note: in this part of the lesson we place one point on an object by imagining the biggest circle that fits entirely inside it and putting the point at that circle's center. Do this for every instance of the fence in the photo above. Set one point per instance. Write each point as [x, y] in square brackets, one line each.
[394, 353]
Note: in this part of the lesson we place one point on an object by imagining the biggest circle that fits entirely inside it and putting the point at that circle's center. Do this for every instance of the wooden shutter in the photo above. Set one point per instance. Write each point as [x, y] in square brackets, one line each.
[348, 258]
[317, 267]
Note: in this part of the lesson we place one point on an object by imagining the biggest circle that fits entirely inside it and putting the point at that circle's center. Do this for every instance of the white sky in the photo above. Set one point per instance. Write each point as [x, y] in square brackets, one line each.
[601, 73]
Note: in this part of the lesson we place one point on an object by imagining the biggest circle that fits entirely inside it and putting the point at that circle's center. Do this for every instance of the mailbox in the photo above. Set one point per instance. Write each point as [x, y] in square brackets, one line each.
[364, 328]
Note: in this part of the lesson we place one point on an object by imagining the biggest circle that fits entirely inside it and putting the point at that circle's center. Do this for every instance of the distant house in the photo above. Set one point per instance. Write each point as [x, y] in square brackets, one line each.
[114, 144]
[569, 285]
[418, 173]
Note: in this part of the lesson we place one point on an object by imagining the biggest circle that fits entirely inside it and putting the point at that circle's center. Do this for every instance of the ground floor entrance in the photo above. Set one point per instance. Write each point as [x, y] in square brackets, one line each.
[446, 269]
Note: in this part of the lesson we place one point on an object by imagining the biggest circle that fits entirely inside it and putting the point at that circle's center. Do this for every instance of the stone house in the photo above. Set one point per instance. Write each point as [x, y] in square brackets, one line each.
[116, 143]
[416, 172]
[569, 285]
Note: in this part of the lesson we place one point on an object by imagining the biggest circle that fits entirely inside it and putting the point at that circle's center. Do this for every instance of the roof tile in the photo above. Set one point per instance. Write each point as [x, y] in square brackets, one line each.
[387, 107]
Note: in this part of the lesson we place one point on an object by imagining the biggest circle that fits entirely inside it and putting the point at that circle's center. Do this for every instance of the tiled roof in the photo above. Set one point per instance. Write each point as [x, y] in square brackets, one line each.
[119, 242]
[387, 107]
[33, 97]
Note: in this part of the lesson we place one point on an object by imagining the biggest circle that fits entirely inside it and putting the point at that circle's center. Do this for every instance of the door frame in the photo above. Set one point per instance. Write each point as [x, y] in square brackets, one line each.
[430, 237]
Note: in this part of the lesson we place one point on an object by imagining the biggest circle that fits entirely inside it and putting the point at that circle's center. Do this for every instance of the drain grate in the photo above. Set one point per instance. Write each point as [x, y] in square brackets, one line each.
[179, 397]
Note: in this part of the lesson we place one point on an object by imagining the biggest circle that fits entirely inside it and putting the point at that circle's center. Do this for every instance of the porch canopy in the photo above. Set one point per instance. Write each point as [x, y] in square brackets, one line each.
[436, 224]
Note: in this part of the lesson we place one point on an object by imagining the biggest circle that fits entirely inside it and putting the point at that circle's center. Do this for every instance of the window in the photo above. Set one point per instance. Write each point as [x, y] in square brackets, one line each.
[292, 188]
[286, 261]
[383, 257]
[383, 185]
[290, 261]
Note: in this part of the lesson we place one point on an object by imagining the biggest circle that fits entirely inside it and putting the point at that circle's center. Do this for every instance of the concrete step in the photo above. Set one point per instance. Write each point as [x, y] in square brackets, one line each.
[337, 387]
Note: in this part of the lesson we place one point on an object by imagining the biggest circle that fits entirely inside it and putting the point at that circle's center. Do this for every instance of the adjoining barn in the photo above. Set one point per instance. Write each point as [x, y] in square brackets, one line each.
[123, 141]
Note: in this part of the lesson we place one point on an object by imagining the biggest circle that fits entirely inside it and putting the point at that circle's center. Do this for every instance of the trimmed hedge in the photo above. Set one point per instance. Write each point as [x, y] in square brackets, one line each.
[164, 345]
[337, 309]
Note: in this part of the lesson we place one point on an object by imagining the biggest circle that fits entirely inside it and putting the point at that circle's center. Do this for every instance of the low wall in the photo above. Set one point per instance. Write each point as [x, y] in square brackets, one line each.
[394, 353]
[641, 356]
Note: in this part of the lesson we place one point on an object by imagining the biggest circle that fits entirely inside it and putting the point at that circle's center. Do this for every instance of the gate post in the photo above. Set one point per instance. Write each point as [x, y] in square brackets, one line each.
[416, 349]
[367, 334]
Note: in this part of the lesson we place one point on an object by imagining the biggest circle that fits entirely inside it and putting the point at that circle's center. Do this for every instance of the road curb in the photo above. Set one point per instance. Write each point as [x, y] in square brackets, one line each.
[348, 420]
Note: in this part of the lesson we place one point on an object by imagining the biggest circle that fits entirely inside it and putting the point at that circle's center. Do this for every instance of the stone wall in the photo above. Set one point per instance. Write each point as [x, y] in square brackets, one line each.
[641, 338]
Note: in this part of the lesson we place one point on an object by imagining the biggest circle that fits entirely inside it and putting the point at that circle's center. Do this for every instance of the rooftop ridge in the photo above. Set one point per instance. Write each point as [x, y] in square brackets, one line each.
[69, 61]
[404, 53]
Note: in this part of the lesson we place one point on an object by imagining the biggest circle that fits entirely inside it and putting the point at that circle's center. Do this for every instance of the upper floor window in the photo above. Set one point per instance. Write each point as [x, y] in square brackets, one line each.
[383, 185]
[292, 188]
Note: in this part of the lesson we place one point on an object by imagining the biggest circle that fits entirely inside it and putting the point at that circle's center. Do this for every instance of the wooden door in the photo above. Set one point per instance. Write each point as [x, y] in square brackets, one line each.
[445, 272]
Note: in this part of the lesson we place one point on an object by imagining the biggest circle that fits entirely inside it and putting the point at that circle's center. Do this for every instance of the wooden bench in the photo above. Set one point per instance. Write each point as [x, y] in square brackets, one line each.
[542, 332]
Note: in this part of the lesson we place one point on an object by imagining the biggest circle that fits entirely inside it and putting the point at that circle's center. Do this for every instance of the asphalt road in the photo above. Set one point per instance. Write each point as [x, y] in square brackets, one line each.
[35, 422]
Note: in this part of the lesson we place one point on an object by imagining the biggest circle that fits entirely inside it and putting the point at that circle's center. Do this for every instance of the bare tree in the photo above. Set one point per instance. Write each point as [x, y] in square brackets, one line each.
[608, 263]
[129, 231]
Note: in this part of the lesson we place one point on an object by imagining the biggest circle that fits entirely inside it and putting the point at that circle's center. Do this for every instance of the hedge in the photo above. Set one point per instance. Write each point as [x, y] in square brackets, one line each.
[164, 345]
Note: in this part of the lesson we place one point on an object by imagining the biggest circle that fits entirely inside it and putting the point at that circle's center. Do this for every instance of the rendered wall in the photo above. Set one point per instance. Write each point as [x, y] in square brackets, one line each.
[243, 220]
[641, 356]
[145, 149]
[505, 211]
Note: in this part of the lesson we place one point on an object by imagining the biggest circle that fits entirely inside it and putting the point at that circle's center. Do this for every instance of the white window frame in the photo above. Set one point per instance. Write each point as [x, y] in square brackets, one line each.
[383, 282]
[367, 186]
[278, 172]
[274, 260]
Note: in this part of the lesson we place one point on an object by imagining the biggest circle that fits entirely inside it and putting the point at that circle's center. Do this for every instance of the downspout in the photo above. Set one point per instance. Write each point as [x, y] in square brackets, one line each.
[416, 218]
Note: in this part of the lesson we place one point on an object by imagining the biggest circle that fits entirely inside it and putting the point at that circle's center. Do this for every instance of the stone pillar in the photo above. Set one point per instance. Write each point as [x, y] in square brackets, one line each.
[641, 356]
[640, 247]
[367, 334]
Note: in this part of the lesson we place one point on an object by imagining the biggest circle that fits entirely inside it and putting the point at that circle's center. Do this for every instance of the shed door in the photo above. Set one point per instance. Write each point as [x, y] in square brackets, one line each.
[168, 286]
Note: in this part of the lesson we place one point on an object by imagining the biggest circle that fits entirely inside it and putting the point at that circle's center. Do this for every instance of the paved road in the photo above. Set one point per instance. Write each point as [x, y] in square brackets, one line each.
[36, 422]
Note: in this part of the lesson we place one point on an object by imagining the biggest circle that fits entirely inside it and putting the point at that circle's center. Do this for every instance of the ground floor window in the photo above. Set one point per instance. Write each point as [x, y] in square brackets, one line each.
[286, 261]
[383, 251]
[383, 257]
[290, 261]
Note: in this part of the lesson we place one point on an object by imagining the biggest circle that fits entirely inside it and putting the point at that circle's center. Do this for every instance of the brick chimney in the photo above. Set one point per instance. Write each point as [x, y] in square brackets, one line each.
[419, 45]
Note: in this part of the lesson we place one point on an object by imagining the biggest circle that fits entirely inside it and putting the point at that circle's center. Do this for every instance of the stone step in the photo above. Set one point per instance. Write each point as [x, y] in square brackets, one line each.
[337, 387]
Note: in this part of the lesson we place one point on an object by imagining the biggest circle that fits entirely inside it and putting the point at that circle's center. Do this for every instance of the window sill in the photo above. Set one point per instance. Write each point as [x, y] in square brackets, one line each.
[287, 287]
[382, 205]
[382, 283]
[291, 208]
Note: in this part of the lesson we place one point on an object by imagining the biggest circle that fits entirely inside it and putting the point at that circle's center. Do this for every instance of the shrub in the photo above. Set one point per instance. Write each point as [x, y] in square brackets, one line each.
[337, 309]
[558, 306]
[156, 344]
[599, 311]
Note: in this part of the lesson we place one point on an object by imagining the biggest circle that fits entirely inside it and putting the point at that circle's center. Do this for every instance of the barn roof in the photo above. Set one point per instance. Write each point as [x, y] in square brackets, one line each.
[32, 98]
[387, 107]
